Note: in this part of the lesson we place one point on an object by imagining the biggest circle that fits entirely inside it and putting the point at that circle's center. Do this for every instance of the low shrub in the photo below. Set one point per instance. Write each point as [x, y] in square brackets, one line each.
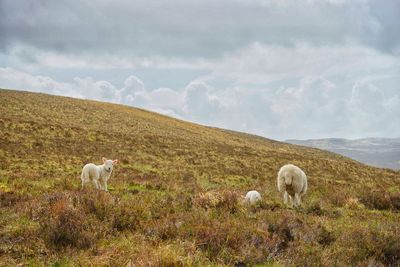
[225, 200]
[353, 203]
[125, 217]
[228, 239]
[395, 199]
[325, 237]
[376, 199]
[374, 245]
[229, 201]
[316, 209]
[96, 202]
[62, 225]
[8, 199]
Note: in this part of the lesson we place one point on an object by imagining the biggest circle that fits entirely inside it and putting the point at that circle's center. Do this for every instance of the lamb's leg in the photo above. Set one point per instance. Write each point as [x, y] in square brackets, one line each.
[96, 184]
[100, 183]
[105, 185]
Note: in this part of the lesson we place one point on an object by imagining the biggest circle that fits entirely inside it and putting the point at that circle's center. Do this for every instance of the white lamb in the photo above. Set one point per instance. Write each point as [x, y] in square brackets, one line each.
[252, 197]
[98, 174]
[292, 181]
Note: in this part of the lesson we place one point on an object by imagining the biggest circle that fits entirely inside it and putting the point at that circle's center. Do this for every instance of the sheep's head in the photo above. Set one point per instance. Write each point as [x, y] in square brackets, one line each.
[109, 163]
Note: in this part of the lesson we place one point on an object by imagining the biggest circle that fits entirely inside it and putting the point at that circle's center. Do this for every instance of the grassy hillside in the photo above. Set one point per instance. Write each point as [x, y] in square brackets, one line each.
[175, 197]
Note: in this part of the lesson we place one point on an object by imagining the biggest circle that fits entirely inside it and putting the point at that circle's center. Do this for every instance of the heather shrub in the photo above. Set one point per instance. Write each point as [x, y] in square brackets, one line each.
[125, 217]
[325, 237]
[229, 201]
[316, 209]
[373, 244]
[376, 199]
[8, 199]
[395, 199]
[96, 202]
[224, 201]
[353, 203]
[227, 238]
[63, 225]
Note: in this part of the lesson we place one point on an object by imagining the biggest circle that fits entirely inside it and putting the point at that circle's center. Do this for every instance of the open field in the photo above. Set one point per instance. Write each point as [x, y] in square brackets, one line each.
[175, 197]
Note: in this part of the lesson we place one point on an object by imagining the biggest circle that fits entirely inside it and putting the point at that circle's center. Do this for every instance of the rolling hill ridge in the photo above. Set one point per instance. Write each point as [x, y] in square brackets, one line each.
[379, 152]
[175, 197]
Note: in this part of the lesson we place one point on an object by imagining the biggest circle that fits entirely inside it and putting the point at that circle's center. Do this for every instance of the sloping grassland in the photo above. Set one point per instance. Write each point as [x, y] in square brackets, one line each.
[176, 197]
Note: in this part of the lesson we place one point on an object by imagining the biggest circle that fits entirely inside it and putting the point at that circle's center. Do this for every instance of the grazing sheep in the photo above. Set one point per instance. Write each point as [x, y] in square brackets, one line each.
[252, 197]
[292, 181]
[98, 174]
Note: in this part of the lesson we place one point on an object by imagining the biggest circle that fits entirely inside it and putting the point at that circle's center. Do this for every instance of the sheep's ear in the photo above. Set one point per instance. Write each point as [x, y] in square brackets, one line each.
[115, 161]
[104, 159]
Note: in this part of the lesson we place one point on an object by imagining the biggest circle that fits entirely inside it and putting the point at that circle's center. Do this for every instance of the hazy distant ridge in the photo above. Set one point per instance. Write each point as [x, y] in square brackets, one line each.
[380, 152]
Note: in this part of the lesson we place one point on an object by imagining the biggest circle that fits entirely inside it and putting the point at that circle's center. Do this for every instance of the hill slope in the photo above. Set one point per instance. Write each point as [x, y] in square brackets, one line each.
[380, 152]
[175, 196]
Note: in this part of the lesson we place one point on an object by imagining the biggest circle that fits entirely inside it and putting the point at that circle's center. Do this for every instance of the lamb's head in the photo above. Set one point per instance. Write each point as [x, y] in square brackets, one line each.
[109, 163]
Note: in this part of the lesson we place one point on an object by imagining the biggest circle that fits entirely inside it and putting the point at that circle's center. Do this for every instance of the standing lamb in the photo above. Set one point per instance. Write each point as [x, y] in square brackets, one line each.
[98, 174]
[252, 197]
[292, 181]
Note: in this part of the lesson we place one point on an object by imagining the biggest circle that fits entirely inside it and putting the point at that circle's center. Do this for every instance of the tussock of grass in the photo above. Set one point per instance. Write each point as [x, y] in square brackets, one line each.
[176, 199]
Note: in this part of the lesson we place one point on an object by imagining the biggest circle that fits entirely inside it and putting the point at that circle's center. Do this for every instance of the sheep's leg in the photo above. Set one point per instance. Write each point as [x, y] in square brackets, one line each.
[285, 198]
[296, 199]
[291, 200]
[84, 179]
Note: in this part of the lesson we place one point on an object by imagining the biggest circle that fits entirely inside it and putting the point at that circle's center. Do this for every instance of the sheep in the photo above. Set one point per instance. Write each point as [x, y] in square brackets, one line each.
[98, 174]
[292, 181]
[252, 197]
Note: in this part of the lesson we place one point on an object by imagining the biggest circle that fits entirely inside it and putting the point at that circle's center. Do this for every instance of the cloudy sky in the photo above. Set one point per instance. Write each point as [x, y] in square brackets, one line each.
[277, 68]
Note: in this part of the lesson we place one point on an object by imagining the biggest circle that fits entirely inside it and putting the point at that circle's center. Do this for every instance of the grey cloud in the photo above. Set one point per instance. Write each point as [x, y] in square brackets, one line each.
[192, 28]
[387, 36]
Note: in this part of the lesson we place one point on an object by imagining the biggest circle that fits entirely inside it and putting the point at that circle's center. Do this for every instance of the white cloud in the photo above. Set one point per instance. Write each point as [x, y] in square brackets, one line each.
[199, 102]
[372, 111]
[279, 92]
[166, 98]
[13, 79]
[260, 63]
[311, 106]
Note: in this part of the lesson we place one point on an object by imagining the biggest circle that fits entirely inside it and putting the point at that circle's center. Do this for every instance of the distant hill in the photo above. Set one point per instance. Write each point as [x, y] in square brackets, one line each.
[175, 196]
[379, 152]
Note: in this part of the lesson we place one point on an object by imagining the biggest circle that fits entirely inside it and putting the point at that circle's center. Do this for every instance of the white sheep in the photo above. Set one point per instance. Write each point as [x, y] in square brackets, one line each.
[252, 197]
[292, 181]
[98, 174]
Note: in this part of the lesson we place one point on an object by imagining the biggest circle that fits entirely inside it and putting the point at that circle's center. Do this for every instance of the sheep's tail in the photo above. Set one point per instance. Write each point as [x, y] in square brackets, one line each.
[288, 179]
